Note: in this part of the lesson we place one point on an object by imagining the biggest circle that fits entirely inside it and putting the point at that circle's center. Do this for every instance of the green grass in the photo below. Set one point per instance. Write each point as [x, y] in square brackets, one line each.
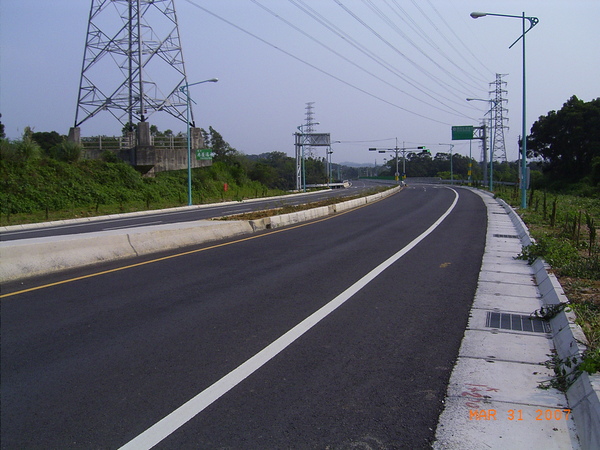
[43, 190]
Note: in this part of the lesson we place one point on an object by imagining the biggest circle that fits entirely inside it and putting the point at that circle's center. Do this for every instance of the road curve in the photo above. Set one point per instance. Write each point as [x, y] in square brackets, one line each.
[179, 215]
[98, 361]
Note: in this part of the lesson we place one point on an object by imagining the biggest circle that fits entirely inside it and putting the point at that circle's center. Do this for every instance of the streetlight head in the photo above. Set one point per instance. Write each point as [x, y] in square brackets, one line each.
[477, 15]
[213, 80]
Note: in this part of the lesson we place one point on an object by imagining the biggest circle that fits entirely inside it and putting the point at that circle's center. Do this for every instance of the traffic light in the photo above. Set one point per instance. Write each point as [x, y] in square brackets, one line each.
[424, 149]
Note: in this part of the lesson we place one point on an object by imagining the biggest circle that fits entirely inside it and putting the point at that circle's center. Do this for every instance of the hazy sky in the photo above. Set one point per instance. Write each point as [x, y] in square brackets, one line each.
[385, 69]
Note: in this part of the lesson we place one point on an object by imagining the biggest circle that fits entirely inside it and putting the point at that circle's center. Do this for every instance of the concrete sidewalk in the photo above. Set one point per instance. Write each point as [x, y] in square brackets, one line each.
[493, 399]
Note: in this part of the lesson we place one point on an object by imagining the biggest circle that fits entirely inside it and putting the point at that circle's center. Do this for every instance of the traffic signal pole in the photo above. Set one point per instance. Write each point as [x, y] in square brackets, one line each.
[396, 150]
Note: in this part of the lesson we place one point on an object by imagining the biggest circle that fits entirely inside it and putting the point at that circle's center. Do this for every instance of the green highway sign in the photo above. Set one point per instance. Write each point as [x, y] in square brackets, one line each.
[204, 154]
[461, 133]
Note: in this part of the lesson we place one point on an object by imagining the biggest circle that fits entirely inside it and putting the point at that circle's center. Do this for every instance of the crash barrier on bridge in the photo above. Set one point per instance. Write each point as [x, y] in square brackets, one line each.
[40, 256]
[584, 394]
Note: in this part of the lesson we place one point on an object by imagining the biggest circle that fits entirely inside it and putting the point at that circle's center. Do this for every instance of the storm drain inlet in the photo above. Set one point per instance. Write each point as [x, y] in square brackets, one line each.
[516, 322]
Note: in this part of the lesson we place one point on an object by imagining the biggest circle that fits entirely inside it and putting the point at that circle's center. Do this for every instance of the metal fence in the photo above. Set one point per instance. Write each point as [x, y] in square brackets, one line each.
[124, 142]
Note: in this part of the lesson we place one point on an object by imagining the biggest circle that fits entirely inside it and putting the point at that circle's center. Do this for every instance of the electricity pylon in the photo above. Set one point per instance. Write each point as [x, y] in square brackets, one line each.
[498, 118]
[309, 125]
[133, 62]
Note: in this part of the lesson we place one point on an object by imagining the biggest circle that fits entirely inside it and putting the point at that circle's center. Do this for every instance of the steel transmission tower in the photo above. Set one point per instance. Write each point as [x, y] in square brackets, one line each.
[309, 125]
[133, 63]
[498, 118]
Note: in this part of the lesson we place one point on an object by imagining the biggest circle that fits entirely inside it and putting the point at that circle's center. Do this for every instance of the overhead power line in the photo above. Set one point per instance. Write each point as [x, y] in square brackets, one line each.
[465, 46]
[403, 15]
[315, 15]
[435, 79]
[353, 86]
[385, 18]
[358, 66]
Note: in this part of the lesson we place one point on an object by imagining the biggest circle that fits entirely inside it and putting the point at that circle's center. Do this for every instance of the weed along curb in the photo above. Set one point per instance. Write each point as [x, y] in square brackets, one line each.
[40, 256]
[584, 392]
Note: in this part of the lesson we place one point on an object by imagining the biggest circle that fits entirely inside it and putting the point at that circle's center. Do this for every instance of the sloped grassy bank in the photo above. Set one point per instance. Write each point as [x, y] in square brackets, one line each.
[46, 189]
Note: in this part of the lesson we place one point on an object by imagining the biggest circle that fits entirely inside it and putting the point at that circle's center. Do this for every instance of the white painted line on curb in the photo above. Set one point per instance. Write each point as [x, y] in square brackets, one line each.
[193, 407]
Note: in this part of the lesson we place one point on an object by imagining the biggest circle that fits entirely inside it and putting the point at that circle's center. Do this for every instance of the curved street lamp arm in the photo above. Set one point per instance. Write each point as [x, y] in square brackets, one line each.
[533, 21]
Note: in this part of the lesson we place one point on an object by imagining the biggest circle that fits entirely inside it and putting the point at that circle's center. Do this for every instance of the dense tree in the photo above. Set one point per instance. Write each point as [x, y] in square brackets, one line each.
[422, 164]
[47, 139]
[277, 170]
[568, 140]
[128, 127]
[221, 149]
[315, 170]
[284, 167]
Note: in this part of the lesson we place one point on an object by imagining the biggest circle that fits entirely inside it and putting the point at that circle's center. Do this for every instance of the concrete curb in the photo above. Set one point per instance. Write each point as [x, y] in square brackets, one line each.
[28, 226]
[33, 257]
[584, 394]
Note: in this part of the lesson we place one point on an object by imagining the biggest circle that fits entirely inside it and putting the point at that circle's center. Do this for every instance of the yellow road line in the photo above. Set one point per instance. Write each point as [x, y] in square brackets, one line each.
[130, 266]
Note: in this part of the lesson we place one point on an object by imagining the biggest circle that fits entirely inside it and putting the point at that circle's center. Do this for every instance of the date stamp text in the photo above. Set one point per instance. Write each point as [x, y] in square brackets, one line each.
[517, 414]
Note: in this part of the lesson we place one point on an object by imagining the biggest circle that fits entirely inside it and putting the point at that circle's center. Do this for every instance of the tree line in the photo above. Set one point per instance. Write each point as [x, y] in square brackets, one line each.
[563, 147]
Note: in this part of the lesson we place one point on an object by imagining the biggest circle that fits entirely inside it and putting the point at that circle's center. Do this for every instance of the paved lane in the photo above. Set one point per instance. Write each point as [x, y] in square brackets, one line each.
[185, 214]
[96, 362]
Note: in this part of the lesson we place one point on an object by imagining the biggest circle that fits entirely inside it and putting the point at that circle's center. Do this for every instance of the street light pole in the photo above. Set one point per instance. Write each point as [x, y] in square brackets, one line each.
[185, 89]
[533, 21]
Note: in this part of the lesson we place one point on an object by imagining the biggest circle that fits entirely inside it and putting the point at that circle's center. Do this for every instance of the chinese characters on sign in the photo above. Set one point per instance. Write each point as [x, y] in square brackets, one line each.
[204, 154]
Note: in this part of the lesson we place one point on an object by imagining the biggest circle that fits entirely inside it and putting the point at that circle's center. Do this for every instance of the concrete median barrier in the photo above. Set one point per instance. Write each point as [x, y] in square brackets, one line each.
[32, 257]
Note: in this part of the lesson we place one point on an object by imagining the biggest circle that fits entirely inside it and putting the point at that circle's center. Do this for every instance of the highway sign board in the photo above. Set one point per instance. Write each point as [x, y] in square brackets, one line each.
[461, 133]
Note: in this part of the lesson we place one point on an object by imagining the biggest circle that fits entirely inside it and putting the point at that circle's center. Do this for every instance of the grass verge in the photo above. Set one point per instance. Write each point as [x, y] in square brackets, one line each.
[565, 229]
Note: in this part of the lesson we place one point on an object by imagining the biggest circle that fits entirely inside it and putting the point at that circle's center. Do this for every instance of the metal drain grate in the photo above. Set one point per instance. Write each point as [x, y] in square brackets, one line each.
[516, 322]
[509, 236]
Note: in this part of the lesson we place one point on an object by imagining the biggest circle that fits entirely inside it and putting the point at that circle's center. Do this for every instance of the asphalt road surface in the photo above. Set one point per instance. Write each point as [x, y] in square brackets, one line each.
[340, 333]
[358, 187]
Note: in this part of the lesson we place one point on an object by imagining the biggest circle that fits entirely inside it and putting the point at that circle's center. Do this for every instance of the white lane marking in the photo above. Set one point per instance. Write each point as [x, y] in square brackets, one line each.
[132, 226]
[193, 407]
